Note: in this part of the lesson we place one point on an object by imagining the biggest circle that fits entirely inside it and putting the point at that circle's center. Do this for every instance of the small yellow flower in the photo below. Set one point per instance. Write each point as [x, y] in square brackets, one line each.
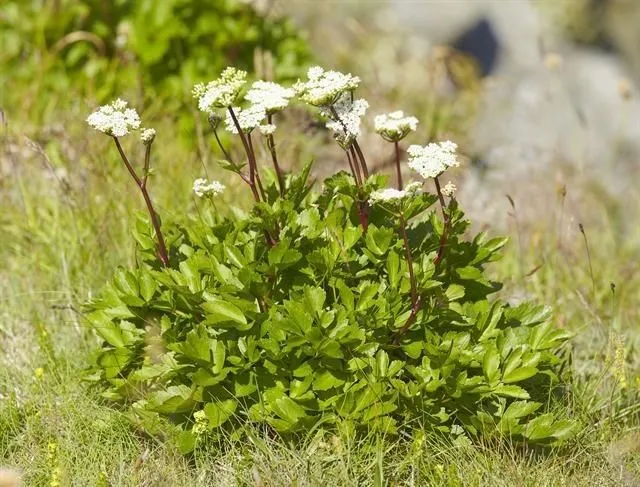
[38, 373]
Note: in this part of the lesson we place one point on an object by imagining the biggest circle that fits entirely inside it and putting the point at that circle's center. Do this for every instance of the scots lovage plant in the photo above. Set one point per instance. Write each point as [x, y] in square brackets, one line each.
[362, 306]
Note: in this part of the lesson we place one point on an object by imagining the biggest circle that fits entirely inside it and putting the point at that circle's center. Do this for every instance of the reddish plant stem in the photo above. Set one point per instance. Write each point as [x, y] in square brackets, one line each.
[354, 144]
[399, 173]
[257, 172]
[274, 157]
[412, 318]
[142, 185]
[351, 167]
[353, 161]
[252, 162]
[365, 170]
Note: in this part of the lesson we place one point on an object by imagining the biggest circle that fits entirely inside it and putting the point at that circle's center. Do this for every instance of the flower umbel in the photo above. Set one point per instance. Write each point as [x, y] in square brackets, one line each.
[394, 126]
[248, 119]
[267, 129]
[147, 136]
[202, 188]
[115, 119]
[271, 96]
[346, 126]
[449, 190]
[433, 159]
[323, 88]
[222, 92]
[392, 194]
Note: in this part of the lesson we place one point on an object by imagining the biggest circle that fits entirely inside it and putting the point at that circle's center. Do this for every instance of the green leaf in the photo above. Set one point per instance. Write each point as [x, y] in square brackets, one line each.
[186, 442]
[393, 269]
[289, 410]
[539, 428]
[314, 298]
[326, 380]
[196, 346]
[175, 399]
[564, 429]
[516, 392]
[243, 385]
[350, 236]
[519, 374]
[382, 363]
[234, 255]
[106, 328]
[219, 311]
[520, 409]
[219, 354]
[490, 363]
[379, 239]
[189, 269]
[455, 292]
[127, 283]
[219, 412]
[346, 295]
[148, 286]
[367, 294]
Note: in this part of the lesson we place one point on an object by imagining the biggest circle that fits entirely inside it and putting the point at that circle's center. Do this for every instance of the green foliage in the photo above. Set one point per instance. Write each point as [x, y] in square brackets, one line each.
[318, 328]
[104, 48]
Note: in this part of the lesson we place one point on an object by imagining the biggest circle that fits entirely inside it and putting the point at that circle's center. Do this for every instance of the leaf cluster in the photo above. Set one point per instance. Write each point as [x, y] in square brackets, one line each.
[317, 327]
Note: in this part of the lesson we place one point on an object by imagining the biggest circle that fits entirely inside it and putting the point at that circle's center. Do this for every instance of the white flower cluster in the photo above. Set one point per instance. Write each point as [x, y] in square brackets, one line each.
[147, 136]
[346, 126]
[449, 190]
[115, 119]
[202, 188]
[248, 118]
[222, 92]
[271, 96]
[392, 194]
[323, 88]
[395, 126]
[267, 129]
[433, 159]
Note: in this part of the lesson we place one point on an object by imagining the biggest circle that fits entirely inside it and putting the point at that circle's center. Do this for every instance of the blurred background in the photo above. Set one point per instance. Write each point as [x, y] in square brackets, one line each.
[540, 95]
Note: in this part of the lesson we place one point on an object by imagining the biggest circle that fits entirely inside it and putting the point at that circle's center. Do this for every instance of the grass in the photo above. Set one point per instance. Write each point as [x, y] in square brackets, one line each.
[67, 209]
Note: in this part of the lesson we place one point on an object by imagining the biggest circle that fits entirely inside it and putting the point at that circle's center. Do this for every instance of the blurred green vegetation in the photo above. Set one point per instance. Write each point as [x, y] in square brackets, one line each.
[65, 50]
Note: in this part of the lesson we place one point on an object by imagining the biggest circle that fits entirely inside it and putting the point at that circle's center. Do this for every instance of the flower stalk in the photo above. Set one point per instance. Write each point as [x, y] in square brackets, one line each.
[445, 216]
[274, 157]
[398, 171]
[142, 185]
[251, 158]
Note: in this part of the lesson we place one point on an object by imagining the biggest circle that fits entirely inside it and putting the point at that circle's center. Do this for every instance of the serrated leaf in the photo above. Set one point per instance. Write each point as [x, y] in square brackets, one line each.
[289, 410]
[219, 311]
[314, 298]
[539, 428]
[455, 292]
[490, 363]
[186, 442]
[219, 412]
[148, 286]
[519, 374]
[326, 380]
[514, 391]
[393, 269]
[520, 409]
